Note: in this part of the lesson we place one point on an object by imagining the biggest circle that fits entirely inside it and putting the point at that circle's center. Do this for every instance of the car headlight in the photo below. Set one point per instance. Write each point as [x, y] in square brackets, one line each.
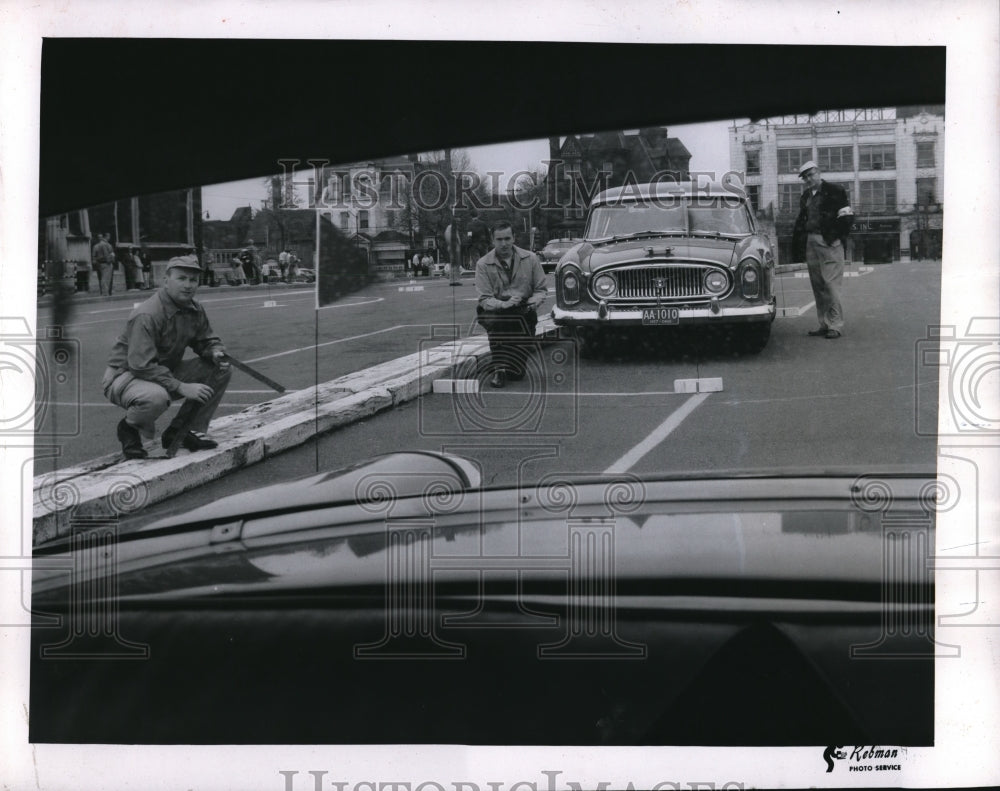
[750, 278]
[570, 287]
[716, 282]
[605, 286]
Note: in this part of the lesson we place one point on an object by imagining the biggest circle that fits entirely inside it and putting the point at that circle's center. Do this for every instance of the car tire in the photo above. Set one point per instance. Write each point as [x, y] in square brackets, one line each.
[756, 337]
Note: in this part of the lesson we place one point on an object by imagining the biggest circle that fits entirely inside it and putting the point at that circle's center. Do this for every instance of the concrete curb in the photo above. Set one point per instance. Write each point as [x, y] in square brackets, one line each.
[110, 487]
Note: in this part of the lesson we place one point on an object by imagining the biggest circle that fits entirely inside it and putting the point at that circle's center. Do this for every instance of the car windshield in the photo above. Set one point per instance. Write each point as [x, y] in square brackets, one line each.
[716, 215]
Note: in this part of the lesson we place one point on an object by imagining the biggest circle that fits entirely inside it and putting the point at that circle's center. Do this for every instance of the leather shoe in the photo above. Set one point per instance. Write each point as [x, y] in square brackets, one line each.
[821, 332]
[499, 379]
[832, 335]
[128, 436]
[193, 440]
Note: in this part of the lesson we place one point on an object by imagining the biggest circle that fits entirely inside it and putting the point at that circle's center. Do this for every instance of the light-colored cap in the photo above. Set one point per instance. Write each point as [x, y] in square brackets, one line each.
[807, 167]
[184, 262]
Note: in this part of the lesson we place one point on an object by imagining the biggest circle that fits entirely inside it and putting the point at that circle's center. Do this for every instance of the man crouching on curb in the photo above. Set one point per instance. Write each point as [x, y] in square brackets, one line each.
[510, 284]
[146, 369]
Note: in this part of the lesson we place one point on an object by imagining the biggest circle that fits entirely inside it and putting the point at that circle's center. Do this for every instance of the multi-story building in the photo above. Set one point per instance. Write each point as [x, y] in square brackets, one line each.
[582, 165]
[890, 161]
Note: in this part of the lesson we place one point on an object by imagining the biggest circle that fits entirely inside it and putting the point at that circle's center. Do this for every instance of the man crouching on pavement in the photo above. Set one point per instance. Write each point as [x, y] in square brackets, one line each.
[511, 285]
[146, 369]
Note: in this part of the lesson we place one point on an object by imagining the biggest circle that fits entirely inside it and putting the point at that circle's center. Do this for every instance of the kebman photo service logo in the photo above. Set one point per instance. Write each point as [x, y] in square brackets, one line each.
[865, 758]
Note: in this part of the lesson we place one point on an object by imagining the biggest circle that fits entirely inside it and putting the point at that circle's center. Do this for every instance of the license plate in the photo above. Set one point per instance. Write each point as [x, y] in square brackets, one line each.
[661, 316]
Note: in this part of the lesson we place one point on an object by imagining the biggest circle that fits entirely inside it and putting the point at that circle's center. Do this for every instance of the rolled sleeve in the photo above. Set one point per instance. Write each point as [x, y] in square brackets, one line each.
[206, 343]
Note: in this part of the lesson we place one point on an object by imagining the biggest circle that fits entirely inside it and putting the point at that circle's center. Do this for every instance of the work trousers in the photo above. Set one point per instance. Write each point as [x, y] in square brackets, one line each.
[105, 274]
[145, 401]
[511, 334]
[826, 276]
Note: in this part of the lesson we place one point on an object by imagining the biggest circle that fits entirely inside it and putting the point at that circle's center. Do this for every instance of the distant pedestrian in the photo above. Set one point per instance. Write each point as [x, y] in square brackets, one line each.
[820, 237]
[147, 370]
[104, 263]
[146, 262]
[132, 267]
[283, 264]
[293, 266]
[511, 285]
[238, 275]
[426, 263]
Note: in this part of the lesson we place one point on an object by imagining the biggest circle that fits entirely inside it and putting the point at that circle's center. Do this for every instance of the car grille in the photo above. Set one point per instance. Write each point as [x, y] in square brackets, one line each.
[676, 282]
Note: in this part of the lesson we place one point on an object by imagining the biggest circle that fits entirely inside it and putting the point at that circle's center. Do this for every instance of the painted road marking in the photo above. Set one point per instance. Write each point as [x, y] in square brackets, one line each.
[793, 313]
[703, 385]
[456, 386]
[227, 307]
[660, 433]
[411, 288]
[331, 343]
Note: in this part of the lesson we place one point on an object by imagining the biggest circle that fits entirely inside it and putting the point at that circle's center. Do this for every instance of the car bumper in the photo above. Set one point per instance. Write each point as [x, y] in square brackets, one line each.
[633, 316]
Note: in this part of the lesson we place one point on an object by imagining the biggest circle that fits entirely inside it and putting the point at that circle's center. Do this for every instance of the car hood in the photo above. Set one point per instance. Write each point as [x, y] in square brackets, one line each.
[726, 252]
[823, 535]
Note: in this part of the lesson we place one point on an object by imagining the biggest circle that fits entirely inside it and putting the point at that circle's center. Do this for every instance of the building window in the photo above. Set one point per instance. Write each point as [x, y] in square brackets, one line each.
[753, 162]
[753, 195]
[926, 189]
[925, 154]
[848, 187]
[345, 221]
[878, 157]
[878, 197]
[835, 159]
[791, 160]
[333, 189]
[788, 197]
[363, 220]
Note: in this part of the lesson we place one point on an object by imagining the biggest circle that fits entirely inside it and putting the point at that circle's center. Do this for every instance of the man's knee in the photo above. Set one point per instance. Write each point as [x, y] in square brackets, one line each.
[151, 400]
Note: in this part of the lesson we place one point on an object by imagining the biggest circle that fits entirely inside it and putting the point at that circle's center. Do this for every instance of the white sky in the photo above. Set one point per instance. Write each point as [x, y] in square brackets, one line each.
[707, 142]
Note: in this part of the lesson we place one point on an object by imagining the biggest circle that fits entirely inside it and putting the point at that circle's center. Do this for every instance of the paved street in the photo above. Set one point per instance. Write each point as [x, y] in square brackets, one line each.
[803, 402]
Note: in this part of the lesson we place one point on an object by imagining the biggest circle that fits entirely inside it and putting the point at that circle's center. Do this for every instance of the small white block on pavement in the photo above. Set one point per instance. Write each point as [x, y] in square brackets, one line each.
[135, 305]
[411, 288]
[456, 385]
[270, 303]
[705, 385]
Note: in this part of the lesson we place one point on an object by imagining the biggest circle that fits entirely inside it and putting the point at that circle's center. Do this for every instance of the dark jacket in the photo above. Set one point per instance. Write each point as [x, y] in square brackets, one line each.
[834, 222]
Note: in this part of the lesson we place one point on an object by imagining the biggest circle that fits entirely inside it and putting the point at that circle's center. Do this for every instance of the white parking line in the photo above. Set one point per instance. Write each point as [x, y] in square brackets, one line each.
[331, 343]
[660, 433]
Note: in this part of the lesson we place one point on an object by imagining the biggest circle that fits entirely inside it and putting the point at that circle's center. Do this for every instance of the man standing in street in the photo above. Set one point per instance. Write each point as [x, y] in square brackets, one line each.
[510, 284]
[104, 263]
[146, 369]
[283, 264]
[820, 237]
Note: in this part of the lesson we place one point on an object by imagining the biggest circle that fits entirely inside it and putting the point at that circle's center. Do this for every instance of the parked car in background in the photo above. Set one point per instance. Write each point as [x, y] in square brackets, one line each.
[304, 275]
[554, 250]
[669, 254]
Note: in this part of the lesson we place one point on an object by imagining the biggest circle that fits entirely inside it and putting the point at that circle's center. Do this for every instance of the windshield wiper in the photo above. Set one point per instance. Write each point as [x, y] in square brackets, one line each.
[717, 234]
[641, 235]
